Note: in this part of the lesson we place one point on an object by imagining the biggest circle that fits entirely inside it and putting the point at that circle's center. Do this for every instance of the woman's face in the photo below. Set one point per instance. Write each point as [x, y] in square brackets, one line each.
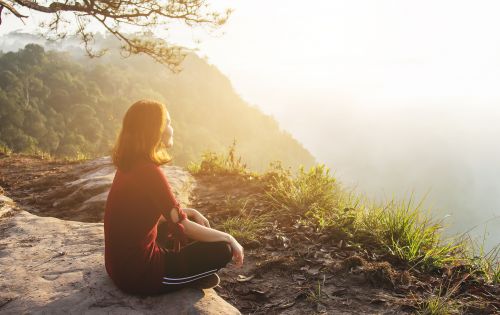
[168, 134]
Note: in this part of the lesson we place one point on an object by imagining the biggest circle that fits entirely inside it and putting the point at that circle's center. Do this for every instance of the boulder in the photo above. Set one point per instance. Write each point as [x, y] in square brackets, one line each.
[84, 195]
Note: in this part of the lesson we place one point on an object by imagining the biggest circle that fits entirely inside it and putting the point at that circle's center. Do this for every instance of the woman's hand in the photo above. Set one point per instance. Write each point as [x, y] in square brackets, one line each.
[238, 255]
[196, 216]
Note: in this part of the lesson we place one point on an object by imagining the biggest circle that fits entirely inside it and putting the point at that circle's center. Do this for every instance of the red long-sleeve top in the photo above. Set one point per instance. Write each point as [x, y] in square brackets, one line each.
[136, 200]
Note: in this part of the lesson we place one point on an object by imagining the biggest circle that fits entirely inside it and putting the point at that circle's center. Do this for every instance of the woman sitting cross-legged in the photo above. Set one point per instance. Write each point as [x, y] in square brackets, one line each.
[140, 200]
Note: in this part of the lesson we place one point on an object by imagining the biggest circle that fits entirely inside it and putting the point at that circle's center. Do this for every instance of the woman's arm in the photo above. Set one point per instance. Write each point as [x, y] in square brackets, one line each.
[196, 216]
[202, 233]
[163, 200]
[199, 232]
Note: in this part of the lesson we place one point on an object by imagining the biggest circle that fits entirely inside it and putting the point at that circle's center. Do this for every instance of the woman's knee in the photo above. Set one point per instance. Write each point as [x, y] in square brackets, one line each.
[225, 252]
[218, 253]
[229, 252]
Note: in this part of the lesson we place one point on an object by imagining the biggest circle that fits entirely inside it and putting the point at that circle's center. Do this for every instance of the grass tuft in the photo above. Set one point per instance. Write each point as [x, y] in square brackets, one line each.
[437, 305]
[311, 190]
[410, 234]
[4, 149]
[398, 228]
[219, 164]
[485, 263]
[244, 228]
[317, 295]
[441, 302]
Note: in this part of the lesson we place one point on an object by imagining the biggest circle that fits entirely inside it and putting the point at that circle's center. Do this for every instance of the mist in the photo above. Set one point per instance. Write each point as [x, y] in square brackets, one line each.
[397, 98]
[446, 155]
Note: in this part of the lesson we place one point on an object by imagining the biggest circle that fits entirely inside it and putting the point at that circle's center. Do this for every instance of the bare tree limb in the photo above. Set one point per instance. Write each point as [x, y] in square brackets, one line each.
[11, 9]
[146, 15]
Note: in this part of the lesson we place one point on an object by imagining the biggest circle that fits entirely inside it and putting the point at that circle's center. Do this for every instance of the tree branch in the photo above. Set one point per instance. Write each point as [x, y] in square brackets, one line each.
[11, 9]
[112, 14]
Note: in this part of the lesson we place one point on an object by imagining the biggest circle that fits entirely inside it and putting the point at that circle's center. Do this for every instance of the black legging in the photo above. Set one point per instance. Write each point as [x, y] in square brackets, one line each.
[194, 261]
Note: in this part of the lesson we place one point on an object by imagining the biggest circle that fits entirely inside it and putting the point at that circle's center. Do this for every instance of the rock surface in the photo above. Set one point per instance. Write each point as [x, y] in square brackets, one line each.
[54, 266]
[84, 196]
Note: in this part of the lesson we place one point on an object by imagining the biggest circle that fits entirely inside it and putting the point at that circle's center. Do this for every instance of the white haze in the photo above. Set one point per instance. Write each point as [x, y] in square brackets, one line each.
[396, 97]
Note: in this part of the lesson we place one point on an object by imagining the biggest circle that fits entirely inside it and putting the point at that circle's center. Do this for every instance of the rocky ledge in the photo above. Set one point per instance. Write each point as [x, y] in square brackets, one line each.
[56, 266]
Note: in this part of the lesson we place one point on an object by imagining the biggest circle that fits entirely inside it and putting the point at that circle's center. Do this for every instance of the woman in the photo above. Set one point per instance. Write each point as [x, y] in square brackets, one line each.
[140, 199]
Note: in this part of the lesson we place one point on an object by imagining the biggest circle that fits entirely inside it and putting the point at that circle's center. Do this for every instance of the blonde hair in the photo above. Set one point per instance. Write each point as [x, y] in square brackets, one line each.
[140, 135]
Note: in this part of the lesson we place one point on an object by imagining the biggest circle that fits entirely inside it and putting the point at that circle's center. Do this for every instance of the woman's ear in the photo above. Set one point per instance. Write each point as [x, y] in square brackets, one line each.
[164, 138]
[168, 140]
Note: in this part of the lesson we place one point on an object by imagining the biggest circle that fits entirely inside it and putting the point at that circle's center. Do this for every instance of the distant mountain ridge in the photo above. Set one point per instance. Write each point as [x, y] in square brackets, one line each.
[67, 105]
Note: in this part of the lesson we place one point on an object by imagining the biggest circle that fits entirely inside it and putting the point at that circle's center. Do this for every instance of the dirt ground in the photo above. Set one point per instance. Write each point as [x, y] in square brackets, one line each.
[292, 268]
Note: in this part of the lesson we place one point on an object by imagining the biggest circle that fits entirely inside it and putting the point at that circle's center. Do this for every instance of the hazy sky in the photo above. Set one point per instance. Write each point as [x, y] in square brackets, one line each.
[372, 52]
[393, 95]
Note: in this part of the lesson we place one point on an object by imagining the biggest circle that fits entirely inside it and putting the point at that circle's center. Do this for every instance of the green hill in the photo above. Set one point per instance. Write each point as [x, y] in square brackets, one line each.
[66, 106]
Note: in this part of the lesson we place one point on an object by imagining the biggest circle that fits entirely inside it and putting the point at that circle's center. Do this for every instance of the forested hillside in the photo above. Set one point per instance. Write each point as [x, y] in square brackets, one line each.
[67, 106]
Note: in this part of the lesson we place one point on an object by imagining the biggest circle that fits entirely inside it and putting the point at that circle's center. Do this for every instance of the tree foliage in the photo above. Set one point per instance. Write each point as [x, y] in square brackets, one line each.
[59, 104]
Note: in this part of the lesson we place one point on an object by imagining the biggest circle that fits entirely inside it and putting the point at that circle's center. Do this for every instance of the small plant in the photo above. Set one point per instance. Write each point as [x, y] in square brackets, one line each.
[237, 204]
[244, 228]
[413, 236]
[485, 263]
[213, 163]
[317, 295]
[342, 216]
[46, 156]
[78, 157]
[41, 154]
[194, 168]
[309, 190]
[4, 149]
[441, 302]
[436, 305]
[276, 172]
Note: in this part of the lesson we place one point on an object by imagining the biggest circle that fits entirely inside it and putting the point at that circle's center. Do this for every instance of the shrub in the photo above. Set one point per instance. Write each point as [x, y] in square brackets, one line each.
[308, 191]
[405, 231]
[213, 163]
